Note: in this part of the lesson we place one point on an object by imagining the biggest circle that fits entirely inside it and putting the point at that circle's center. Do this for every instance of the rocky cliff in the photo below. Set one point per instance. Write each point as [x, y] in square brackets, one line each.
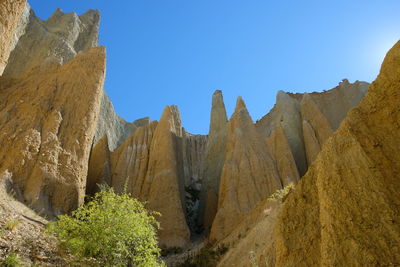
[13, 19]
[248, 176]
[45, 137]
[343, 211]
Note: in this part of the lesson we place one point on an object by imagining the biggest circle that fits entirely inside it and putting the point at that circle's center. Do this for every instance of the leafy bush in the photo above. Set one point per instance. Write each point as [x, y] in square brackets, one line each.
[110, 230]
[281, 194]
[12, 260]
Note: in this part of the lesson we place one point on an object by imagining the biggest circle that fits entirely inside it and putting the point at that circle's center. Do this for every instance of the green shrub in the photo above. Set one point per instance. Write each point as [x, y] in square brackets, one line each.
[12, 224]
[110, 230]
[281, 194]
[12, 260]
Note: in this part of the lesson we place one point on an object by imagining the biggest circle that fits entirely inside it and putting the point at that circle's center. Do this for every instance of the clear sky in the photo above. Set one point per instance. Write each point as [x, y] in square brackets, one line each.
[163, 52]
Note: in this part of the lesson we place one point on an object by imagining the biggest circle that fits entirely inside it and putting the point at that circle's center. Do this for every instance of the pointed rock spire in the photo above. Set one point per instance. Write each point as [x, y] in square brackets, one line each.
[248, 175]
[286, 113]
[164, 183]
[218, 113]
[214, 158]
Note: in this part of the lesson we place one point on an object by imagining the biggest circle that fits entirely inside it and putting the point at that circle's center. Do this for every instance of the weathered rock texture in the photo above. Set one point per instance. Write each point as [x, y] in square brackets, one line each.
[56, 149]
[111, 125]
[13, 16]
[309, 119]
[280, 150]
[99, 172]
[57, 39]
[46, 137]
[252, 237]
[158, 163]
[164, 184]
[130, 162]
[214, 157]
[249, 174]
[345, 210]
[323, 112]
[286, 114]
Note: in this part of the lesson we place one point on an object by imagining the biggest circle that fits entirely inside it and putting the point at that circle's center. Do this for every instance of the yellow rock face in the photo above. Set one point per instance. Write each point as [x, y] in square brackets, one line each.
[279, 147]
[214, 157]
[346, 210]
[130, 162]
[10, 16]
[48, 119]
[249, 174]
[164, 186]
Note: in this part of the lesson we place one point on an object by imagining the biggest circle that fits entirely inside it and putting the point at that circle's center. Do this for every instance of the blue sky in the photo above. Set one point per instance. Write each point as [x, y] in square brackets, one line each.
[163, 52]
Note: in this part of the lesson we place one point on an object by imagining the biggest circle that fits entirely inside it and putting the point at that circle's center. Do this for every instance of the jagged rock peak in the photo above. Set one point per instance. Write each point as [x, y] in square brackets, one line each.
[60, 38]
[172, 116]
[240, 105]
[249, 174]
[218, 113]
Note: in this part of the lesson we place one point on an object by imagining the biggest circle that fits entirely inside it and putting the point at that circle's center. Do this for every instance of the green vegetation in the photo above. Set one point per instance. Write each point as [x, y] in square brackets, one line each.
[11, 224]
[12, 260]
[281, 194]
[110, 230]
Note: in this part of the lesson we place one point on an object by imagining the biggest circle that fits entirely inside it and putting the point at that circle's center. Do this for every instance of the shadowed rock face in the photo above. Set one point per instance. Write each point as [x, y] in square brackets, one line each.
[279, 148]
[13, 19]
[158, 163]
[46, 137]
[111, 125]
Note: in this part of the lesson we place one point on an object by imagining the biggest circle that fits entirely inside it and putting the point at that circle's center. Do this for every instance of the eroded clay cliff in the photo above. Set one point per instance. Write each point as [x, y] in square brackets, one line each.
[13, 20]
[249, 174]
[46, 137]
[344, 211]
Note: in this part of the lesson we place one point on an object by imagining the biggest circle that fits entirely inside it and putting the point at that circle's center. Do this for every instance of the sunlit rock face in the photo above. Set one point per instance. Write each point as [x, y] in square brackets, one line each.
[61, 138]
[249, 174]
[344, 210]
[46, 137]
[14, 17]
[213, 161]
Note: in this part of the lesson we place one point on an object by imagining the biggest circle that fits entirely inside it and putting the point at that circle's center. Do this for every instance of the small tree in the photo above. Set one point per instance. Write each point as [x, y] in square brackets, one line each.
[110, 230]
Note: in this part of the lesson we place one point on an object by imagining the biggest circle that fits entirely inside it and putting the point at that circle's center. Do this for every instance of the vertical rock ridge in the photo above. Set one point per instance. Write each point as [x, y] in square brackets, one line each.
[248, 176]
[286, 113]
[51, 134]
[280, 150]
[214, 157]
[164, 183]
[99, 171]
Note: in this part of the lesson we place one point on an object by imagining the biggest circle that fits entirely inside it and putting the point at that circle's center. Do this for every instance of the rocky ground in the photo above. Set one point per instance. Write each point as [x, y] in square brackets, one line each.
[23, 234]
